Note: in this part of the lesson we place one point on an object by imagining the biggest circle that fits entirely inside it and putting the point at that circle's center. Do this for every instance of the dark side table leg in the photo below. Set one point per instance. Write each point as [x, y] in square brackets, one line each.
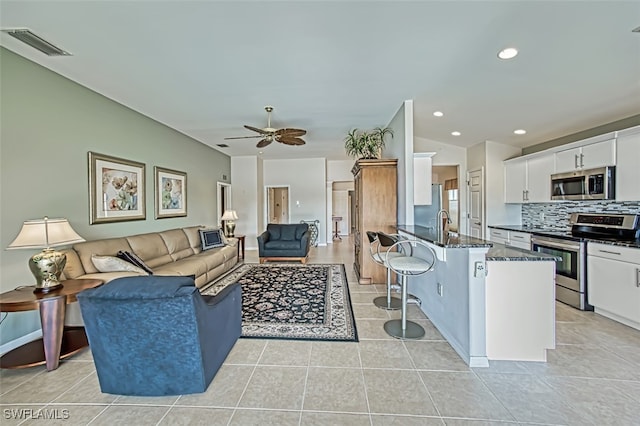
[52, 311]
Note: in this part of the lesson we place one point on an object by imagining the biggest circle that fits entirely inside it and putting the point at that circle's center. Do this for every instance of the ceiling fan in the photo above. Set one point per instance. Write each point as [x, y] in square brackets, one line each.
[269, 134]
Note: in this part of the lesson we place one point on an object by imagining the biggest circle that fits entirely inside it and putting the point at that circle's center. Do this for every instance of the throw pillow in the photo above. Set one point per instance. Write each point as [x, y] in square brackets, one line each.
[211, 238]
[135, 260]
[114, 264]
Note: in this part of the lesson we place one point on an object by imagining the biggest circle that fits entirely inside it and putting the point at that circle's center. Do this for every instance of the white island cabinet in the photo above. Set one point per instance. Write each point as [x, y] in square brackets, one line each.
[614, 282]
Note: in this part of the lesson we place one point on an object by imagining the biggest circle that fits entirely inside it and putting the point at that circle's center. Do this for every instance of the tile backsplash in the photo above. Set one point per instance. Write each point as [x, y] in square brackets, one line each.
[556, 215]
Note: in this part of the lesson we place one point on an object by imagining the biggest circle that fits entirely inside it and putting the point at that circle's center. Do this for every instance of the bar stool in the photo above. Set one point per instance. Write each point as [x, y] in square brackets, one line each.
[380, 239]
[408, 265]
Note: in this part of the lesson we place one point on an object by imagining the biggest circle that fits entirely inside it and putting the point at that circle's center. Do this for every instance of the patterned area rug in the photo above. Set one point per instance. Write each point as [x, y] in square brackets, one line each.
[289, 301]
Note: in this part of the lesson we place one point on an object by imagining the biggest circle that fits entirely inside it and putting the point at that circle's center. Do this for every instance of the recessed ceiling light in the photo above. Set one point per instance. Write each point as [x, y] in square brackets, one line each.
[508, 53]
[456, 133]
[438, 113]
[520, 132]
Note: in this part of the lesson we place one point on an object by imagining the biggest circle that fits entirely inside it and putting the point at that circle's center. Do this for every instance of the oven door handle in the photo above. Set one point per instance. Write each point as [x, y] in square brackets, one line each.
[545, 243]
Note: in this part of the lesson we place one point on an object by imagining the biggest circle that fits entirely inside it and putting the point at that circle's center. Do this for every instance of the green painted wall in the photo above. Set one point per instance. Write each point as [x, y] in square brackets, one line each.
[48, 124]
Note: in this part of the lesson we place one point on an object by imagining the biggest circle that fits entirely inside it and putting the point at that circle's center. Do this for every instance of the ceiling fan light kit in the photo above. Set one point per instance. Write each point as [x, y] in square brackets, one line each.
[287, 136]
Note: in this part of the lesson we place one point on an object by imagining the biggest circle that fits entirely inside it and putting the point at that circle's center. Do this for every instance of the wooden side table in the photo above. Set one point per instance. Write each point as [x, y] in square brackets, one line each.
[240, 243]
[58, 341]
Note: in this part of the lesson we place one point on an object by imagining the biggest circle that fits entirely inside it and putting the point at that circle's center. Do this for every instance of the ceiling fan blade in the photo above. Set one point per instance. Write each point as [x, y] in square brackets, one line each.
[289, 140]
[291, 132]
[245, 137]
[264, 142]
[255, 129]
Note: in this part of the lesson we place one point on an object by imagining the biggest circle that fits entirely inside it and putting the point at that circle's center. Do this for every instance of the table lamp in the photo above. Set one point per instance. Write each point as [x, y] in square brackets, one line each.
[230, 226]
[47, 265]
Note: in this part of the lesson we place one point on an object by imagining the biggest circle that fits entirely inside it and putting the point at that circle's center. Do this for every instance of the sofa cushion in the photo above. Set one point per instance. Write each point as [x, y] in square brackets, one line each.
[274, 231]
[106, 247]
[300, 230]
[151, 249]
[211, 238]
[193, 265]
[177, 243]
[288, 233]
[282, 244]
[115, 264]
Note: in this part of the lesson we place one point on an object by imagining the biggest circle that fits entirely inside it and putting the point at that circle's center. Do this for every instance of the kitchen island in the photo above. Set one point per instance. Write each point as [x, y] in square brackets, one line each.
[490, 302]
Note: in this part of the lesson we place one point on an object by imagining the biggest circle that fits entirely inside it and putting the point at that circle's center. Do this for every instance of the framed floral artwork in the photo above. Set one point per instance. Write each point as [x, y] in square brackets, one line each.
[116, 189]
[170, 193]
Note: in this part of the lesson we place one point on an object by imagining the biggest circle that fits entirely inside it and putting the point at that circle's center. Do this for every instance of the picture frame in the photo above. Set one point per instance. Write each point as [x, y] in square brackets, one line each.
[170, 193]
[116, 189]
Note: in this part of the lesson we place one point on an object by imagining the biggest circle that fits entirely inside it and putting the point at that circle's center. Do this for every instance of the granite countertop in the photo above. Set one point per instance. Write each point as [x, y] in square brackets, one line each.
[449, 240]
[542, 232]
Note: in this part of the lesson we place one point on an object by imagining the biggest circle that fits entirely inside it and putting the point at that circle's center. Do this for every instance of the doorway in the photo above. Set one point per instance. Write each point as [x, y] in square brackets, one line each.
[277, 204]
[475, 179]
[224, 200]
[447, 178]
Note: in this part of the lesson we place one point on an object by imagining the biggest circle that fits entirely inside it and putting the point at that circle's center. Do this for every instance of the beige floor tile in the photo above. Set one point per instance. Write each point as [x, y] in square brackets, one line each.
[413, 313]
[516, 392]
[368, 311]
[130, 415]
[599, 401]
[265, 418]
[68, 415]
[405, 421]
[84, 355]
[87, 391]
[372, 329]
[397, 392]
[146, 400]
[430, 331]
[384, 354]
[468, 422]
[19, 413]
[246, 351]
[435, 355]
[462, 394]
[335, 354]
[181, 416]
[628, 353]
[224, 391]
[310, 418]
[511, 367]
[354, 287]
[276, 388]
[335, 389]
[631, 389]
[363, 297]
[10, 378]
[284, 352]
[45, 387]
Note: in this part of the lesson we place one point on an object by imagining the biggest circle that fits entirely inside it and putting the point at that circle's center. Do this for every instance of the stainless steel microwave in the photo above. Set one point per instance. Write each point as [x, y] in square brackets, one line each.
[591, 184]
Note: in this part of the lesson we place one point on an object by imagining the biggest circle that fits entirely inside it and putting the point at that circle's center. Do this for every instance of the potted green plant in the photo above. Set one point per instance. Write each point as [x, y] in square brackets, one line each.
[366, 144]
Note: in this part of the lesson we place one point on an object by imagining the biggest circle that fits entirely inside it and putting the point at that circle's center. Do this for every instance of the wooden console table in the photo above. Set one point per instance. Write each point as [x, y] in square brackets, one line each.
[57, 341]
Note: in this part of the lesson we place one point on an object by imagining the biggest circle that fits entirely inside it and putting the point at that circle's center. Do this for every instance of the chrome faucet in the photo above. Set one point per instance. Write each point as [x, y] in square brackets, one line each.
[440, 226]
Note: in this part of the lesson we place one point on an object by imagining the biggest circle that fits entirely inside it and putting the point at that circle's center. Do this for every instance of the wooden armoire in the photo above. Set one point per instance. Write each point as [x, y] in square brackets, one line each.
[376, 189]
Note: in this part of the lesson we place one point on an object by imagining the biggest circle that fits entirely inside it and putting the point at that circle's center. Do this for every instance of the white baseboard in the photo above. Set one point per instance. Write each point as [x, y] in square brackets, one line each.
[9, 346]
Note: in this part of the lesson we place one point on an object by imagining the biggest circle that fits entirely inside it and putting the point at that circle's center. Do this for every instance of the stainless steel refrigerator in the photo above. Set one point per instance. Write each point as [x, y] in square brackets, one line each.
[426, 215]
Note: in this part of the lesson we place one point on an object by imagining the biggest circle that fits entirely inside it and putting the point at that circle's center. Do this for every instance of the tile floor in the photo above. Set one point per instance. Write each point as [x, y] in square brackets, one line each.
[592, 377]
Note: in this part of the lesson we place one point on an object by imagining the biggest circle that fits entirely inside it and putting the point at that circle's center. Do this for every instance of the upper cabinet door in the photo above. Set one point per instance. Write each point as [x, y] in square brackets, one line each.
[515, 181]
[590, 156]
[628, 165]
[539, 171]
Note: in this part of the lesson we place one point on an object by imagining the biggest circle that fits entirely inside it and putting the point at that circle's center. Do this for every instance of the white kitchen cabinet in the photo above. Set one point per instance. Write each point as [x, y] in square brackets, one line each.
[628, 165]
[499, 235]
[520, 239]
[528, 180]
[515, 181]
[614, 282]
[587, 156]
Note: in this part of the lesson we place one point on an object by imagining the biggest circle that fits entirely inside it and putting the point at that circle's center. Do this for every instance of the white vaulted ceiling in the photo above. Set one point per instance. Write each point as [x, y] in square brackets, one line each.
[206, 68]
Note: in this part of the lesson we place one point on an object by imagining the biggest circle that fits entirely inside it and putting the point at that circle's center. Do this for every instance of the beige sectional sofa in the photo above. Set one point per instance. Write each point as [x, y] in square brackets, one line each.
[171, 252]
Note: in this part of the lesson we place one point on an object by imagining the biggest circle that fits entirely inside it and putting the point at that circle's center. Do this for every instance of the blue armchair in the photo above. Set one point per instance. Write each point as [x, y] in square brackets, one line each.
[284, 242]
[156, 335]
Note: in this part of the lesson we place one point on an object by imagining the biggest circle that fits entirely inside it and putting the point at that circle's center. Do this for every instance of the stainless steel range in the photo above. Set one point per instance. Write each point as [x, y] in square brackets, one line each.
[571, 279]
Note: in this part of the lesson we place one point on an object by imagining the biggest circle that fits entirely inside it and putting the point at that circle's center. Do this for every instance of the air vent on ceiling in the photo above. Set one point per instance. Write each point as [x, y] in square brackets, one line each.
[223, 145]
[37, 42]
[636, 30]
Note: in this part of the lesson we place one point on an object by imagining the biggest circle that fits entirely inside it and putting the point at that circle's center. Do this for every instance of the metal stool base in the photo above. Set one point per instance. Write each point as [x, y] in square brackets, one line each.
[381, 302]
[394, 329]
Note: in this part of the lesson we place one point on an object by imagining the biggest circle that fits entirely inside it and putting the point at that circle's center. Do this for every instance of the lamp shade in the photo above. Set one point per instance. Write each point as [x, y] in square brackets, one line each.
[45, 233]
[229, 215]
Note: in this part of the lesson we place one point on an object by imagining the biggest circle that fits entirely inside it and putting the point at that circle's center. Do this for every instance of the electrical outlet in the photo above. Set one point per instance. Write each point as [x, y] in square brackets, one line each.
[479, 270]
[439, 289]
